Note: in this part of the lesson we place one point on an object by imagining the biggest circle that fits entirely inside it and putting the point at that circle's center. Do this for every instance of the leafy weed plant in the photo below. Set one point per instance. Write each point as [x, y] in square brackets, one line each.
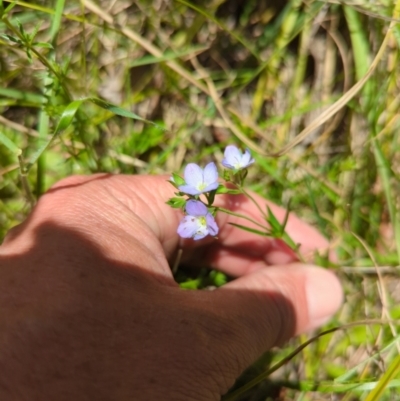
[311, 87]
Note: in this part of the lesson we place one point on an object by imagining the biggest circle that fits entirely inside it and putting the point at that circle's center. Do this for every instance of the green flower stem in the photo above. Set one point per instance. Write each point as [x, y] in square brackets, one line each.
[242, 216]
[285, 236]
[244, 192]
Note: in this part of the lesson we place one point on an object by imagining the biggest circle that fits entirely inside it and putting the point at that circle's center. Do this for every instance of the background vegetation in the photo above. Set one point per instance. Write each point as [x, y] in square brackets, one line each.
[311, 87]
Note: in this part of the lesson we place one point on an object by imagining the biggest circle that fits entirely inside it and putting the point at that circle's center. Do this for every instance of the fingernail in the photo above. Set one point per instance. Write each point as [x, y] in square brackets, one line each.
[324, 295]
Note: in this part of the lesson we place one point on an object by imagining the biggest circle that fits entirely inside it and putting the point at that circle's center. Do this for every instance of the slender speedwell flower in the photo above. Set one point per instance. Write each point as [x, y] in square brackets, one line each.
[199, 181]
[198, 223]
[235, 160]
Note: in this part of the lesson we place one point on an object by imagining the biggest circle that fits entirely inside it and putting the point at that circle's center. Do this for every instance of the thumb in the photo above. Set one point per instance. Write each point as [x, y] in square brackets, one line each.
[267, 307]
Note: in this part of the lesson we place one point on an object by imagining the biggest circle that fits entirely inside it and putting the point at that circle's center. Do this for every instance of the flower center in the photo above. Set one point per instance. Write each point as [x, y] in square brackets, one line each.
[201, 186]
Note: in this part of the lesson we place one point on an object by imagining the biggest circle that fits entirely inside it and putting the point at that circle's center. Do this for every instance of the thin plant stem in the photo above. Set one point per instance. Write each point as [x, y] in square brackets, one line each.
[227, 211]
[253, 200]
[24, 182]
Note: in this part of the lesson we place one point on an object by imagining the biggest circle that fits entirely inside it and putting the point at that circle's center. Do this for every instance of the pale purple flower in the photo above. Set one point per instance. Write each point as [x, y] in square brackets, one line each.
[198, 223]
[236, 160]
[199, 181]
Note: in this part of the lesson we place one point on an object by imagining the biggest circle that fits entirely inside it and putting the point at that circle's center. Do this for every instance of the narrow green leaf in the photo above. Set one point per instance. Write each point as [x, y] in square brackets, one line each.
[385, 380]
[8, 143]
[9, 7]
[120, 111]
[376, 356]
[273, 222]
[251, 230]
[68, 115]
[56, 23]
[327, 387]
[10, 38]
[386, 174]
[64, 122]
[43, 44]
[21, 95]
[285, 236]
[224, 190]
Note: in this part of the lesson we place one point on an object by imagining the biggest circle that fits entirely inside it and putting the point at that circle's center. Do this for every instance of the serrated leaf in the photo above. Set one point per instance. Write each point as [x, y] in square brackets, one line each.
[21, 28]
[35, 31]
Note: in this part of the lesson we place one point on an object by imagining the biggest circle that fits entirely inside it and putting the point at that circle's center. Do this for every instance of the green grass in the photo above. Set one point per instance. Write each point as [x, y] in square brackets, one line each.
[311, 87]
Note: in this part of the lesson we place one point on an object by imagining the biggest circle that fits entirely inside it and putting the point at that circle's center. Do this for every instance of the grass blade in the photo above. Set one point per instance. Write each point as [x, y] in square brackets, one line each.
[340, 103]
[8, 143]
[385, 380]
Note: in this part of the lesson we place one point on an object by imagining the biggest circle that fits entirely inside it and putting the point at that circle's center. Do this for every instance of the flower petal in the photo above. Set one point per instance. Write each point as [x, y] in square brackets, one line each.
[227, 165]
[232, 153]
[200, 233]
[232, 159]
[210, 174]
[188, 227]
[196, 208]
[247, 159]
[211, 187]
[193, 175]
[211, 225]
[188, 189]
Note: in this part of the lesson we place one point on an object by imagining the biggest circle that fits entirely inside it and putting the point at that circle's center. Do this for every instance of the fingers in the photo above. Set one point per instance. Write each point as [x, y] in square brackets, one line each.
[118, 211]
[269, 306]
[238, 261]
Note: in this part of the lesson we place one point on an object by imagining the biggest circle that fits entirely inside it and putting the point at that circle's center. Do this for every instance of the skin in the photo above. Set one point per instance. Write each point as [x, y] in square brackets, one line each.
[89, 309]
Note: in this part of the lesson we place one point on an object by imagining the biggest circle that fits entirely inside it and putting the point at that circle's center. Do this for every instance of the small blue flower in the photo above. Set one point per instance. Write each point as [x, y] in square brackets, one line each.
[199, 181]
[198, 223]
[236, 160]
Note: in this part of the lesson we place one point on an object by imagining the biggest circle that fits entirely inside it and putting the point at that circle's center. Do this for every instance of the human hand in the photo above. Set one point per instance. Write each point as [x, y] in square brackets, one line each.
[89, 309]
